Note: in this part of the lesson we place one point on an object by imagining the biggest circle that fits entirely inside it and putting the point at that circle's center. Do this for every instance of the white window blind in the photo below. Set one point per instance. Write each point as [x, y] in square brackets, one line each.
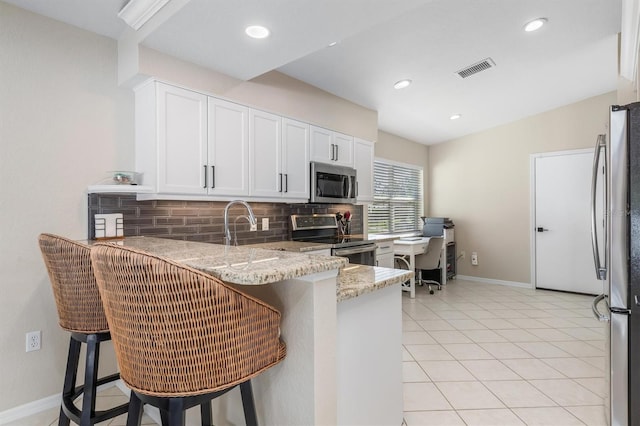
[397, 201]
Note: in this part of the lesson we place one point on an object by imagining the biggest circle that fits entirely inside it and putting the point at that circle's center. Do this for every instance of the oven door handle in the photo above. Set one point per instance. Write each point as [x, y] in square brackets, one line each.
[354, 250]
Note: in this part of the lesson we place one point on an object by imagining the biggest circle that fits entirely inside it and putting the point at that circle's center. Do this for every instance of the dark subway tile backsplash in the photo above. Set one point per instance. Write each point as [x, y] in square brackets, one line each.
[203, 220]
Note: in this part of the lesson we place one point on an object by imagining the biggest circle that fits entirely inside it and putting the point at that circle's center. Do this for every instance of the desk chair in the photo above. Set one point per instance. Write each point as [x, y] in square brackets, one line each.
[182, 337]
[80, 312]
[430, 260]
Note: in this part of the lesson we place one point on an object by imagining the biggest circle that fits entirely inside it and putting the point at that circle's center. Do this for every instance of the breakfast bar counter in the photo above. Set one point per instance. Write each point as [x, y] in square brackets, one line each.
[334, 315]
[236, 265]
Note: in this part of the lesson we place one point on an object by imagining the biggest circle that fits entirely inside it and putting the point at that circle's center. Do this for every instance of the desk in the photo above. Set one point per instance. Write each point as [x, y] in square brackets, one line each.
[411, 247]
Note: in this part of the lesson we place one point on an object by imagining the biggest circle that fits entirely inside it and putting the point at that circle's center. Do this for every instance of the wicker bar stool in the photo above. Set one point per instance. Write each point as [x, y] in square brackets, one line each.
[80, 312]
[182, 337]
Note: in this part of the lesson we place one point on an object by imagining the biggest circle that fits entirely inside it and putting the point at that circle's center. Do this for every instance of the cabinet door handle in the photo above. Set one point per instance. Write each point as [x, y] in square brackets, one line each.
[332, 151]
[213, 176]
[337, 151]
[280, 190]
[205, 176]
[286, 182]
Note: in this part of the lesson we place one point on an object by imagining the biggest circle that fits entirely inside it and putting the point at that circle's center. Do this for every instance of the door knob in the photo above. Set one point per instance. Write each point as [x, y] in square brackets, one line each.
[541, 229]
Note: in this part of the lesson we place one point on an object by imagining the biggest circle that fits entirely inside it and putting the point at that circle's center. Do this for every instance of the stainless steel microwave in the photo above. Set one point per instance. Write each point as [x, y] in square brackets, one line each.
[333, 184]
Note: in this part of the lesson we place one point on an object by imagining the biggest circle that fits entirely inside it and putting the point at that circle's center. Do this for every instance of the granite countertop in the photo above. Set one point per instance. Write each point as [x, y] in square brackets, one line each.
[356, 280]
[293, 246]
[238, 265]
[255, 266]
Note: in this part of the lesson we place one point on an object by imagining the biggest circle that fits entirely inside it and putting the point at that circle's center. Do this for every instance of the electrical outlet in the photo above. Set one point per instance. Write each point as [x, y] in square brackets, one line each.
[463, 254]
[265, 223]
[253, 227]
[474, 258]
[33, 341]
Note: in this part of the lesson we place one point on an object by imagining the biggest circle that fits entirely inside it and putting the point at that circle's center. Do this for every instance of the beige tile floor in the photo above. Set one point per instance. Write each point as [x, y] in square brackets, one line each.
[482, 354]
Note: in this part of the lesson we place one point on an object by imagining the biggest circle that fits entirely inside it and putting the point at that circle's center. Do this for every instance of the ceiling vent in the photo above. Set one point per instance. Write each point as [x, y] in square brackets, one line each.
[484, 64]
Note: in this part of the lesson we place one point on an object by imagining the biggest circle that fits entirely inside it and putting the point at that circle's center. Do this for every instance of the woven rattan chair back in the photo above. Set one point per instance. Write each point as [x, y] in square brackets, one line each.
[73, 283]
[80, 312]
[179, 332]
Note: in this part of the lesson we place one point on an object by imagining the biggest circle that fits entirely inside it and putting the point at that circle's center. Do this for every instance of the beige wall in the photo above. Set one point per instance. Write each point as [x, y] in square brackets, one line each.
[482, 182]
[395, 148]
[273, 91]
[63, 124]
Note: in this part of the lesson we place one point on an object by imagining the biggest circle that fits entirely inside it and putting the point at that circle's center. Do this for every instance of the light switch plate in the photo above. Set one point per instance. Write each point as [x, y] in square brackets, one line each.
[265, 223]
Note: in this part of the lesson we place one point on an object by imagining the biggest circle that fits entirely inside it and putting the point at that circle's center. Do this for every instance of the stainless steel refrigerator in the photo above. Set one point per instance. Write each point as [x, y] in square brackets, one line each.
[616, 244]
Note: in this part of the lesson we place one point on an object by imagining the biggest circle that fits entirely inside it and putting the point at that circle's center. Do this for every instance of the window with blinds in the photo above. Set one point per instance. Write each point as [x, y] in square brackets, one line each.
[397, 201]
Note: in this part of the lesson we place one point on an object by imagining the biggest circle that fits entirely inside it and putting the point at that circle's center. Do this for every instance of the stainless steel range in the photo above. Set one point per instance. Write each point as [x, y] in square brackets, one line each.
[323, 228]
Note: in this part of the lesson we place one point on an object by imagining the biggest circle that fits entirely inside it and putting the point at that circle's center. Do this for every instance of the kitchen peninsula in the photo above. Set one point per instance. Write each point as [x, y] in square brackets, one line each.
[341, 323]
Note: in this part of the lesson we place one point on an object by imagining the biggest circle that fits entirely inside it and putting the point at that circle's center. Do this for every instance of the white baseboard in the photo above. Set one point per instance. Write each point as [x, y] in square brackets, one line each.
[30, 408]
[44, 404]
[492, 281]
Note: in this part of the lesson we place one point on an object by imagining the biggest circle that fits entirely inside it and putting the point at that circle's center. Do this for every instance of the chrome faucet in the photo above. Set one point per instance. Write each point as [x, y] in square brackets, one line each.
[227, 231]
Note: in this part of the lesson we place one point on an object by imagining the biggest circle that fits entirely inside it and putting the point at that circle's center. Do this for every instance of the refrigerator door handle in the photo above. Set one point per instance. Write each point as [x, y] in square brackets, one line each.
[601, 144]
[596, 312]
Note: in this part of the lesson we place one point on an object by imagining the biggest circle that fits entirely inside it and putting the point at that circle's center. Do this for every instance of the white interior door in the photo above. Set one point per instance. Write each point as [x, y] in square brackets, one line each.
[562, 222]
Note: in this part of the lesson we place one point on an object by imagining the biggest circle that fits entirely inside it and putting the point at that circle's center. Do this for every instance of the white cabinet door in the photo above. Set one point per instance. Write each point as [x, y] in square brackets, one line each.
[385, 260]
[228, 156]
[182, 140]
[363, 160]
[266, 177]
[331, 147]
[344, 149]
[322, 146]
[295, 159]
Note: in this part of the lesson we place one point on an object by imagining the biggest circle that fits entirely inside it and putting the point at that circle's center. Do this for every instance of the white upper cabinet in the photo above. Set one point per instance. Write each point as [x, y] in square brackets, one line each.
[295, 155]
[279, 156]
[228, 155]
[188, 143]
[193, 146]
[344, 149]
[363, 156]
[171, 138]
[266, 154]
[331, 147]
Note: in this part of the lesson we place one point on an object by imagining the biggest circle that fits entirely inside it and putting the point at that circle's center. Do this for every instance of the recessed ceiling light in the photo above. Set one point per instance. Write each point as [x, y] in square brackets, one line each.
[536, 24]
[455, 116]
[257, 31]
[402, 84]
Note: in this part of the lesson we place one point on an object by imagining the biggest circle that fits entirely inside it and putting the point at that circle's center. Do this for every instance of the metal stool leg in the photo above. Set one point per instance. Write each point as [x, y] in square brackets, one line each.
[248, 404]
[134, 417]
[205, 413]
[176, 412]
[70, 376]
[90, 379]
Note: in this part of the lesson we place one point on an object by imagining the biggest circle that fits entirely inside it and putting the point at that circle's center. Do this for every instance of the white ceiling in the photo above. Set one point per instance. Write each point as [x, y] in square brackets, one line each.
[382, 41]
